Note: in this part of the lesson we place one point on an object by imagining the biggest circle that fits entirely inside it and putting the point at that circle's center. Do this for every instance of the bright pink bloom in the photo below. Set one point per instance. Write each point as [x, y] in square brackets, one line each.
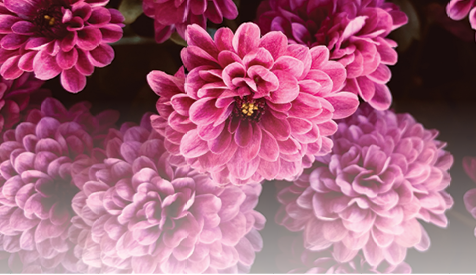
[36, 184]
[459, 9]
[15, 98]
[171, 15]
[251, 107]
[354, 31]
[385, 172]
[138, 212]
[51, 37]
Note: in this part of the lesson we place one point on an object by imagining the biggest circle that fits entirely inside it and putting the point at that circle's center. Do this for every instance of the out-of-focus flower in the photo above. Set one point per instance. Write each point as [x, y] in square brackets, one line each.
[51, 37]
[469, 165]
[354, 31]
[138, 212]
[251, 107]
[15, 98]
[385, 172]
[36, 184]
[170, 15]
[459, 9]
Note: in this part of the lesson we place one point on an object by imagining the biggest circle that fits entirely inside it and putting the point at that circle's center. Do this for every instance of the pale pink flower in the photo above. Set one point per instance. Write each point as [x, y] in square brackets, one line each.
[385, 173]
[251, 107]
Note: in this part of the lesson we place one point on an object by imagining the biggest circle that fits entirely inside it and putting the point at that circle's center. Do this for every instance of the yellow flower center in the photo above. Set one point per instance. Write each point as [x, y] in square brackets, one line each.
[248, 108]
[51, 20]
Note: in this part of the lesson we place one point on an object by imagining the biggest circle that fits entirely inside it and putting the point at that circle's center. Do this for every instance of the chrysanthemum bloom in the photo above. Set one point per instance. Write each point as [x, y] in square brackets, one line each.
[36, 186]
[15, 98]
[354, 31]
[385, 172]
[251, 107]
[170, 15]
[459, 9]
[469, 165]
[51, 37]
[139, 213]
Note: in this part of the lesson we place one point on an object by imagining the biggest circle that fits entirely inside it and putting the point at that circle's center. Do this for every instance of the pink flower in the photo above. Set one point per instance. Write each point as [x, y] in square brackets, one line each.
[138, 212]
[170, 15]
[51, 37]
[15, 98]
[354, 31]
[251, 107]
[469, 165]
[459, 9]
[36, 185]
[385, 172]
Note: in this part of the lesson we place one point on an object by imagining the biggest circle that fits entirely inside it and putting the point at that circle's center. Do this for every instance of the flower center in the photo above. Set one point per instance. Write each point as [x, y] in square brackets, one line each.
[48, 22]
[250, 109]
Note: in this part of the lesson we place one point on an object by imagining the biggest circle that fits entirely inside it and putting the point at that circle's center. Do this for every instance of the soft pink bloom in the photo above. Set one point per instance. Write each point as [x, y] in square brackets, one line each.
[384, 173]
[15, 98]
[52, 37]
[36, 183]
[171, 15]
[138, 212]
[469, 165]
[251, 107]
[459, 9]
[354, 31]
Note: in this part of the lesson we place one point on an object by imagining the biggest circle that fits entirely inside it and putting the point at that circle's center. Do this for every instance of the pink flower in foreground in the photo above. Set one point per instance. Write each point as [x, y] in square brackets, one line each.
[51, 37]
[138, 212]
[354, 31]
[385, 172]
[251, 107]
[15, 98]
[170, 15]
[459, 9]
[469, 165]
[36, 186]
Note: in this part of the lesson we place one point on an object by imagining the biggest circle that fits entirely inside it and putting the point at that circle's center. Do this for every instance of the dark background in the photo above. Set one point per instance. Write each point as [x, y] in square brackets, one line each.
[434, 80]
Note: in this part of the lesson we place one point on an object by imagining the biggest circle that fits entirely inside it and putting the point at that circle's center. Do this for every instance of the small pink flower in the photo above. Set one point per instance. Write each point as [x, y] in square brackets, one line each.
[469, 165]
[52, 37]
[139, 212]
[251, 107]
[170, 15]
[37, 185]
[385, 172]
[459, 9]
[354, 31]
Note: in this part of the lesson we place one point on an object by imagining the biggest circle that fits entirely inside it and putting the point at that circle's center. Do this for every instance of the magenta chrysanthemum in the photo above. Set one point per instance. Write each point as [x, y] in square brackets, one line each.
[51, 37]
[385, 172]
[251, 107]
[354, 31]
[36, 186]
[170, 15]
[459, 9]
[138, 212]
[15, 98]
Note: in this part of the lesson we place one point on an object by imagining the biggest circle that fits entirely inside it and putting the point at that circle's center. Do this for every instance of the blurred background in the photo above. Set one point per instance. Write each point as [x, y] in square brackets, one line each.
[434, 80]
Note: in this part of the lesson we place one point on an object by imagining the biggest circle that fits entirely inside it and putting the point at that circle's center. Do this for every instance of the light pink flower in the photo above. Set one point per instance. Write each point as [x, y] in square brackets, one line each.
[469, 165]
[354, 31]
[57, 37]
[251, 107]
[36, 184]
[385, 172]
[138, 212]
[170, 15]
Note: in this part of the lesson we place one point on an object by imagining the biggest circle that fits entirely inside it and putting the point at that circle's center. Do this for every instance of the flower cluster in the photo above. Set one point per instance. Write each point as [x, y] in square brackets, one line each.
[251, 107]
[354, 31]
[170, 15]
[52, 37]
[139, 212]
[37, 186]
[384, 173]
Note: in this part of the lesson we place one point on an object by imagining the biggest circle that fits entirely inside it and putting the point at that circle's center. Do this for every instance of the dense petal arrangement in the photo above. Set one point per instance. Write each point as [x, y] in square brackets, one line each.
[52, 37]
[138, 212]
[170, 15]
[459, 9]
[15, 98]
[251, 107]
[37, 186]
[354, 31]
[385, 172]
